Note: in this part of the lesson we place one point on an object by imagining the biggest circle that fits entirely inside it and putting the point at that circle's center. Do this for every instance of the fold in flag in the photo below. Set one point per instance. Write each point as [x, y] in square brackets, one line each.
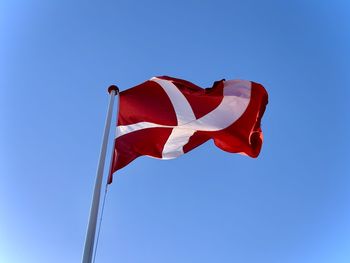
[166, 117]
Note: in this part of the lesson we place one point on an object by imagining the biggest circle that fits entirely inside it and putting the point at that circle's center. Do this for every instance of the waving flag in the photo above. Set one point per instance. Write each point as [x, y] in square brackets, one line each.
[166, 117]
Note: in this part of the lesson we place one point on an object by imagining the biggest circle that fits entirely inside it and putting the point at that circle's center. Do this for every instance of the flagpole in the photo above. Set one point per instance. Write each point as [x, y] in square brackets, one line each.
[91, 230]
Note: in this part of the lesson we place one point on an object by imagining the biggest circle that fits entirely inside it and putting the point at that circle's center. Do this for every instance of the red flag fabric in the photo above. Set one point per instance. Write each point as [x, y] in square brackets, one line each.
[166, 117]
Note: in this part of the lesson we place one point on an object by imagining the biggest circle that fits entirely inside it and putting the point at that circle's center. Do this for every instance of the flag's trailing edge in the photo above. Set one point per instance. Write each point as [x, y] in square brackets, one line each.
[166, 117]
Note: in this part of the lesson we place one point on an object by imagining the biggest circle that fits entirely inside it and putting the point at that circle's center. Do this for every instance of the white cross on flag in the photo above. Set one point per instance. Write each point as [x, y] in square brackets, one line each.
[166, 117]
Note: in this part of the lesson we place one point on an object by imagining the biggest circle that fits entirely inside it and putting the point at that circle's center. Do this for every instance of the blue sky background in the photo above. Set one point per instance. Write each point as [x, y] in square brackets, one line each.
[291, 205]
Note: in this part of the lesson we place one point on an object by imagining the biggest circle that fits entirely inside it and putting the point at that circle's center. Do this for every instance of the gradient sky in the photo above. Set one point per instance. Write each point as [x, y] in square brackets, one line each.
[291, 205]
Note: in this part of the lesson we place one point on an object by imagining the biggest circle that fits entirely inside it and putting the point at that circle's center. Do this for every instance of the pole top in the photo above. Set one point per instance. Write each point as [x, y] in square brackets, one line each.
[113, 87]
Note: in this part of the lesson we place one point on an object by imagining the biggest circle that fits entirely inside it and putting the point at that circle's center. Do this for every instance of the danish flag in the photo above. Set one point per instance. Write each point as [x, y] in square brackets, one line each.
[166, 117]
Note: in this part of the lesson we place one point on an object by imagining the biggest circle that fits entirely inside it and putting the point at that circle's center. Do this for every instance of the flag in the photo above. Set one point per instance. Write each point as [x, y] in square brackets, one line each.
[166, 117]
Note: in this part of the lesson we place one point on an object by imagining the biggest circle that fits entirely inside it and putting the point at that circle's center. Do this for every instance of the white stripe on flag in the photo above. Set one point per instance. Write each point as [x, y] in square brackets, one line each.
[182, 108]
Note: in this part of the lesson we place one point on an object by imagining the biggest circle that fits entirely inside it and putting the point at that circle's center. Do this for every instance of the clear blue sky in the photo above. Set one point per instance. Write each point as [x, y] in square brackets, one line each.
[291, 205]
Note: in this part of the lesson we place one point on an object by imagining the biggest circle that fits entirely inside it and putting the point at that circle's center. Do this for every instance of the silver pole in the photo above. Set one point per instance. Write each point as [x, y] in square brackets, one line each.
[91, 230]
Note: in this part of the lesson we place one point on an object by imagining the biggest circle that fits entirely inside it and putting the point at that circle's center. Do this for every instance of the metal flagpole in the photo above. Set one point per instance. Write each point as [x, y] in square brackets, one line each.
[91, 230]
